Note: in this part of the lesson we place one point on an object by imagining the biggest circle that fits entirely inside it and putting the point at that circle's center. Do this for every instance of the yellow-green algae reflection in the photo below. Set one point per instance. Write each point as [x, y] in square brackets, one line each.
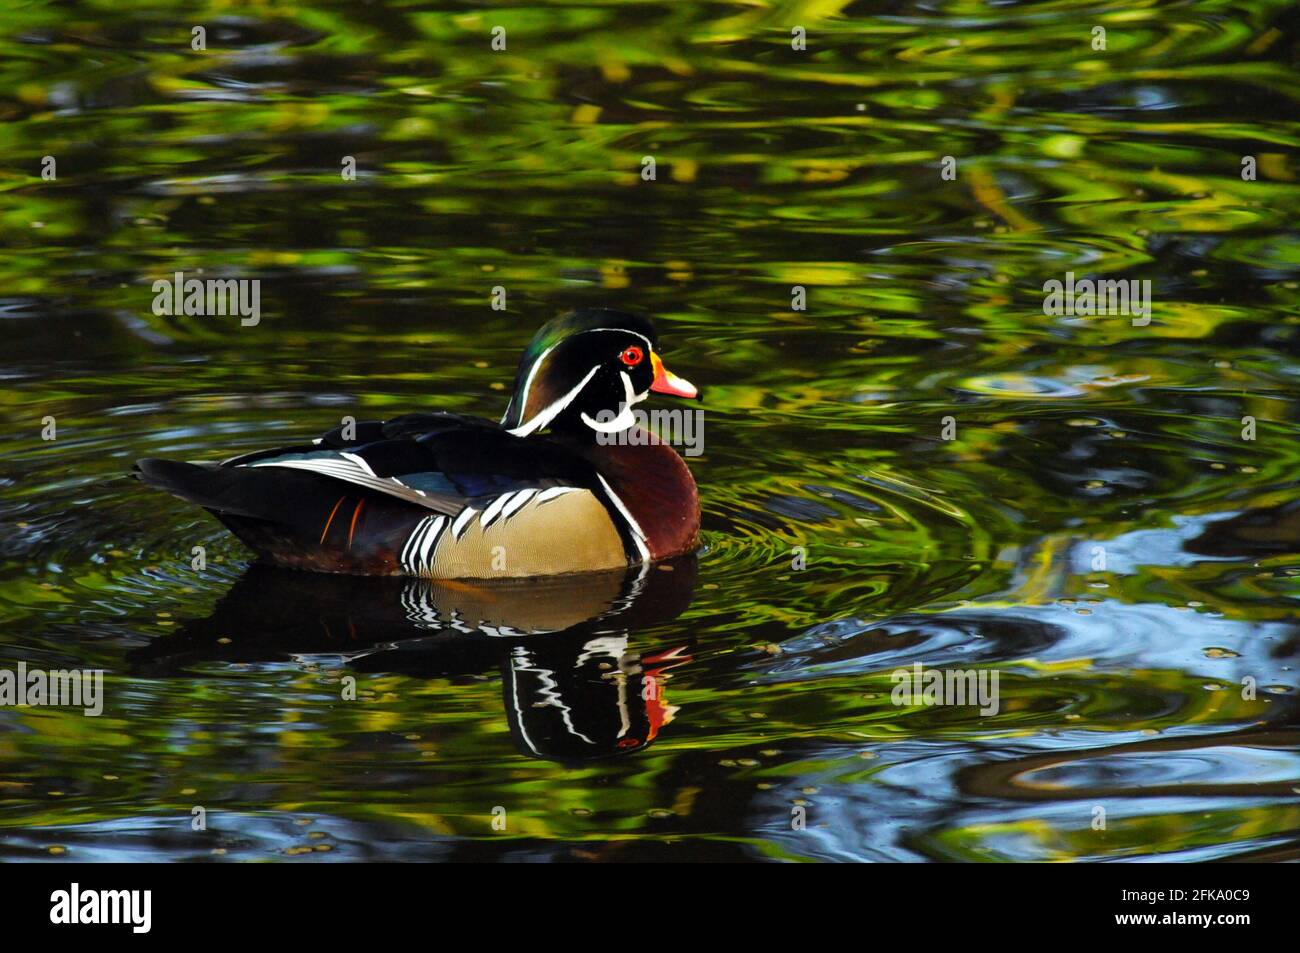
[736, 688]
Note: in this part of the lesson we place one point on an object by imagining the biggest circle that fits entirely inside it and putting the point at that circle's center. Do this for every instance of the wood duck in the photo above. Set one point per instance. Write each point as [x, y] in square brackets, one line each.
[555, 487]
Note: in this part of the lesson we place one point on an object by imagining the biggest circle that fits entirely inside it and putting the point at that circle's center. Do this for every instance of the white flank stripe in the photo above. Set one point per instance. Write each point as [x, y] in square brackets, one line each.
[547, 495]
[429, 544]
[638, 536]
[412, 546]
[493, 509]
[641, 546]
[520, 498]
[405, 558]
[462, 521]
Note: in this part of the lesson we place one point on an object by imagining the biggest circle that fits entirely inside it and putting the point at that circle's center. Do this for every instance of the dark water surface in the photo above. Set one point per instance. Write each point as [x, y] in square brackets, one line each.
[1098, 533]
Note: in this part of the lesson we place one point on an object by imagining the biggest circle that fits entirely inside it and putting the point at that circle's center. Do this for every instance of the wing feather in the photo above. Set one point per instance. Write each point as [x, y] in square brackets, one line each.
[438, 461]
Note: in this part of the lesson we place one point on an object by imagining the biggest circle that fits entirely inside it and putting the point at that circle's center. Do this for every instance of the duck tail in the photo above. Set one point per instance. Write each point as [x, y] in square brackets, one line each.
[224, 490]
[292, 517]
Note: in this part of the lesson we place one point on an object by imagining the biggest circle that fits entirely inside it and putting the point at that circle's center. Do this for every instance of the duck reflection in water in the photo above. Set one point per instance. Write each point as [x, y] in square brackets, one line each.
[576, 684]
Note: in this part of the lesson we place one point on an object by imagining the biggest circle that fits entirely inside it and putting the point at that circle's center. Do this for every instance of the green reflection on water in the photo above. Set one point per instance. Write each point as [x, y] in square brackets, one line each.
[774, 168]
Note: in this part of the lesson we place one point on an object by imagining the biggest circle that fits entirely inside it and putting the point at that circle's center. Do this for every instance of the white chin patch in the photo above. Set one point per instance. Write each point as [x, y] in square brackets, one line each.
[624, 420]
[625, 416]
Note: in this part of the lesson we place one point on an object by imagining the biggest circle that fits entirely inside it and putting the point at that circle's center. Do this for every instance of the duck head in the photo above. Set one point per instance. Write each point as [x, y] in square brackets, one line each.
[582, 373]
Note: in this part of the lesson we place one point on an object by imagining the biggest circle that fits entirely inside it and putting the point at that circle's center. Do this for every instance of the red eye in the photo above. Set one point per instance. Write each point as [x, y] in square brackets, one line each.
[632, 356]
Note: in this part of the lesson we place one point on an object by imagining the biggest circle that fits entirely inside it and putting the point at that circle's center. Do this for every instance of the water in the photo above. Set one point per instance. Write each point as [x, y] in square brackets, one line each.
[1098, 532]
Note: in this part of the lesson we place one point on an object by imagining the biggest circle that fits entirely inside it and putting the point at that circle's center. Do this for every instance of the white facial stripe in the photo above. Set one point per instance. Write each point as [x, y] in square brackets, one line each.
[528, 383]
[527, 427]
[648, 345]
[546, 415]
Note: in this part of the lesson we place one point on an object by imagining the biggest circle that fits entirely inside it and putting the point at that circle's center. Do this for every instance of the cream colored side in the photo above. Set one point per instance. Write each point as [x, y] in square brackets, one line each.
[570, 533]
